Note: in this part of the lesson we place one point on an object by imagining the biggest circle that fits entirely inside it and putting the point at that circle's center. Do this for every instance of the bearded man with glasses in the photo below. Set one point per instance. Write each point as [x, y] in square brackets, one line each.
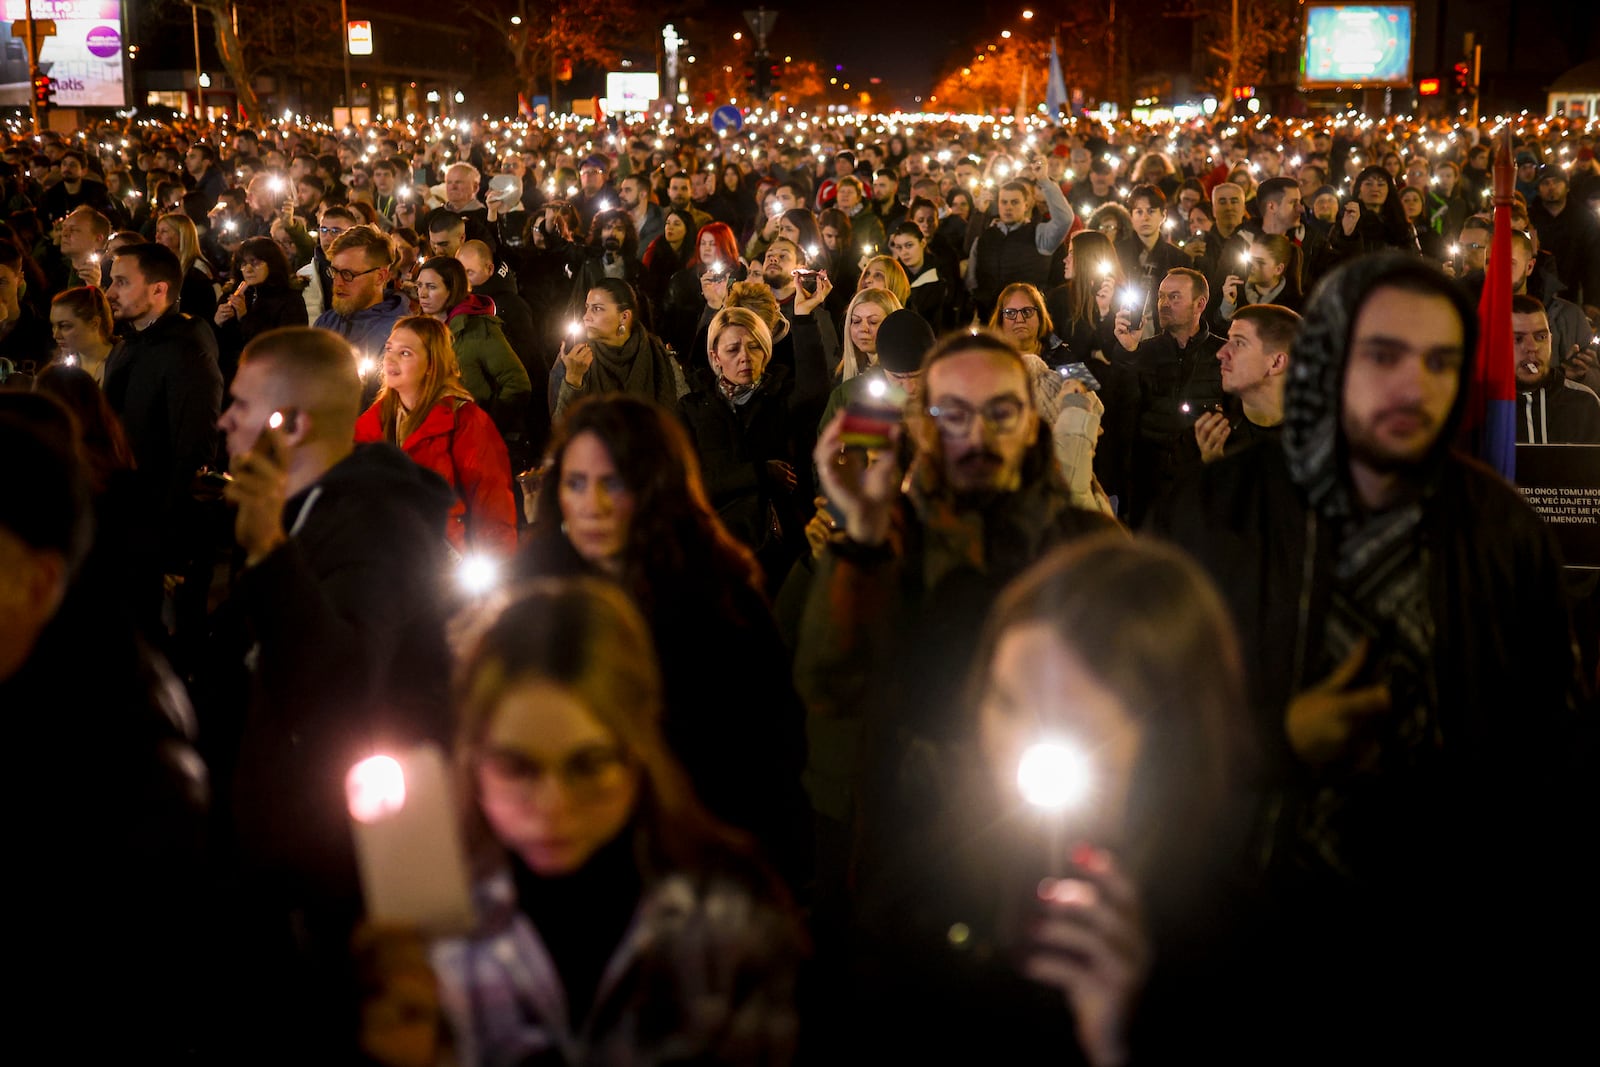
[364, 310]
[895, 604]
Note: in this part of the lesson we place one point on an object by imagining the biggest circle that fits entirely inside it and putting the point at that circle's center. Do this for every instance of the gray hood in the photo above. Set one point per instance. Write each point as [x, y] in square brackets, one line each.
[1312, 438]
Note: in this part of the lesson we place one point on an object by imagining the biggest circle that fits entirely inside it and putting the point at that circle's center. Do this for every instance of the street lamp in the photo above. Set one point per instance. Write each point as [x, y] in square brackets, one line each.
[1027, 14]
[516, 20]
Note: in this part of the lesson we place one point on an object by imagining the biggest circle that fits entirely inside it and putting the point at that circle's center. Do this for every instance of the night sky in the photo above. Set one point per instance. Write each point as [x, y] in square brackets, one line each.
[908, 43]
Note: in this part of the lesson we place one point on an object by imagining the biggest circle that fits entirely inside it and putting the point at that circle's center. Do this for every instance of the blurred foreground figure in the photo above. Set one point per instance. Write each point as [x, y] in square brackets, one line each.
[618, 922]
[1063, 897]
[107, 794]
[329, 646]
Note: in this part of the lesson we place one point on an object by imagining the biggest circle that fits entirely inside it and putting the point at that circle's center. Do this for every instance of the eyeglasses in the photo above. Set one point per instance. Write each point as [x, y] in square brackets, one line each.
[348, 276]
[585, 776]
[955, 419]
[331, 231]
[1013, 314]
[1473, 246]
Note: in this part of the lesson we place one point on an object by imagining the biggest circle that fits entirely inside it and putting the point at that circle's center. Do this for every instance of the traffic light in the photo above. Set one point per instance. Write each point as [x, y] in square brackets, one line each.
[774, 78]
[44, 90]
[1463, 78]
[1428, 87]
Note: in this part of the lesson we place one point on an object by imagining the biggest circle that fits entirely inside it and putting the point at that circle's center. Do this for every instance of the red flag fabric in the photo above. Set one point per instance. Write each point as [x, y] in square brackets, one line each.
[1490, 423]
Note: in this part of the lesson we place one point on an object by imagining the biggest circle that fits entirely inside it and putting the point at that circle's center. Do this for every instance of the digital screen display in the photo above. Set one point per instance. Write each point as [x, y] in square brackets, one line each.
[1357, 44]
[628, 92]
[85, 56]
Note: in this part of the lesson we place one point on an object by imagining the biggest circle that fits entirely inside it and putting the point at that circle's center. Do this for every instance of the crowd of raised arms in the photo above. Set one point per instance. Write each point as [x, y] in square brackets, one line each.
[885, 589]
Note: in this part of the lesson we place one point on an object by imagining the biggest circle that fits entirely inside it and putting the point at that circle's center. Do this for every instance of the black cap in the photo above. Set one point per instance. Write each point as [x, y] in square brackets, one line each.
[904, 337]
[1549, 170]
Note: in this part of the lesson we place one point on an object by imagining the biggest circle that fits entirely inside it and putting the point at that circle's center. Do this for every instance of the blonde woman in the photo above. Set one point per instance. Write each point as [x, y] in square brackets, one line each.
[885, 272]
[425, 410]
[862, 318]
[749, 427]
[198, 297]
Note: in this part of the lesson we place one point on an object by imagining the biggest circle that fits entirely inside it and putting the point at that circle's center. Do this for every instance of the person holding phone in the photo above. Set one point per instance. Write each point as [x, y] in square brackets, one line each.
[1060, 928]
[619, 922]
[331, 639]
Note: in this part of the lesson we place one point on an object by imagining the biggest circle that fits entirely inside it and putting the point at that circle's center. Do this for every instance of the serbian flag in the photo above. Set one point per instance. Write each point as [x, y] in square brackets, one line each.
[1490, 425]
[524, 108]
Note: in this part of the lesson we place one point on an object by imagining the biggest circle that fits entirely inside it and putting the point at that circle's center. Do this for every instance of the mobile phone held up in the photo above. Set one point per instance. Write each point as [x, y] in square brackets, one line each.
[869, 419]
[408, 843]
[806, 280]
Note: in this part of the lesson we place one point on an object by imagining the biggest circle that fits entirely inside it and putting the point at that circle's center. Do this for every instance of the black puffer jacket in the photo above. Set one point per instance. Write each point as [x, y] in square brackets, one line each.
[735, 443]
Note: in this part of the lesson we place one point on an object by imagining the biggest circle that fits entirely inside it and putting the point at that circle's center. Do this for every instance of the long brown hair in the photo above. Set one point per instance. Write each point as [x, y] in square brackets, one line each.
[441, 379]
[585, 636]
[1150, 626]
[676, 543]
[1090, 249]
[104, 443]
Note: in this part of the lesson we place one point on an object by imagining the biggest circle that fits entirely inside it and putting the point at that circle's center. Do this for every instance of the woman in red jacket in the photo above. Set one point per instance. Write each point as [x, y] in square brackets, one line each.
[424, 408]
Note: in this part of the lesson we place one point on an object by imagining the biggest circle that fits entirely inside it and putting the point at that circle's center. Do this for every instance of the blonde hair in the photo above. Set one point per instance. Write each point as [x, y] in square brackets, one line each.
[760, 336]
[441, 378]
[756, 297]
[894, 273]
[852, 363]
[188, 239]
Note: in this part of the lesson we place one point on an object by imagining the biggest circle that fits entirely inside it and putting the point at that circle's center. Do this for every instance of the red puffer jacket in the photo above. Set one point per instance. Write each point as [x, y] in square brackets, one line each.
[458, 442]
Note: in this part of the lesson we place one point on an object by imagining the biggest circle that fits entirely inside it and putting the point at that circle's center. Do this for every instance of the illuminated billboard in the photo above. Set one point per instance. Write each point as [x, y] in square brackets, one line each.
[630, 91]
[85, 56]
[1351, 45]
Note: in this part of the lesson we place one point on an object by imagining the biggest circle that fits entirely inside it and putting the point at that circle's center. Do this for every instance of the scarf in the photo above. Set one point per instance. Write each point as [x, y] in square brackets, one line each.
[735, 392]
[1380, 589]
[640, 366]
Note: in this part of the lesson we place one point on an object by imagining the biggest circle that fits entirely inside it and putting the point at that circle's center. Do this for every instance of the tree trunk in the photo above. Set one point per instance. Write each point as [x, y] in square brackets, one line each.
[233, 59]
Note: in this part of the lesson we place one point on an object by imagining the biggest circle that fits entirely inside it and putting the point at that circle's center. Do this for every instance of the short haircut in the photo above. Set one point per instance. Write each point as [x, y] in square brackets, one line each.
[1015, 186]
[205, 151]
[156, 264]
[367, 240]
[853, 182]
[73, 153]
[1522, 304]
[341, 211]
[1151, 195]
[313, 370]
[1521, 239]
[314, 182]
[1275, 325]
[99, 225]
[443, 221]
[1197, 282]
[1273, 190]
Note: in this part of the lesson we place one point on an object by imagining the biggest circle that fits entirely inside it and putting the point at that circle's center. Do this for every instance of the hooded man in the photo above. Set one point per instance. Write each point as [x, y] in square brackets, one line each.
[1415, 675]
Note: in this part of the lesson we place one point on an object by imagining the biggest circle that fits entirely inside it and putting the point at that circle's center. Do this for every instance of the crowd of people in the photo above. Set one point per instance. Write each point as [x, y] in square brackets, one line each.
[902, 590]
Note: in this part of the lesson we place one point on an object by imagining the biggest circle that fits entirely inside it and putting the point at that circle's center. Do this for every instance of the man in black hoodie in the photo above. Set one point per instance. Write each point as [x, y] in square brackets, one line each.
[1551, 408]
[334, 636]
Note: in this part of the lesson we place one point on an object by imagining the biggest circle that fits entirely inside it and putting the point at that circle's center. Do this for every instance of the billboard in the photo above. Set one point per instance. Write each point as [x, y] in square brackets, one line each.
[630, 91]
[85, 56]
[1351, 45]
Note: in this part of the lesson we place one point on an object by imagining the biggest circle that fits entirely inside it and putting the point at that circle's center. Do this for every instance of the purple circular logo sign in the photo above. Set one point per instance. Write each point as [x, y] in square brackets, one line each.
[104, 41]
